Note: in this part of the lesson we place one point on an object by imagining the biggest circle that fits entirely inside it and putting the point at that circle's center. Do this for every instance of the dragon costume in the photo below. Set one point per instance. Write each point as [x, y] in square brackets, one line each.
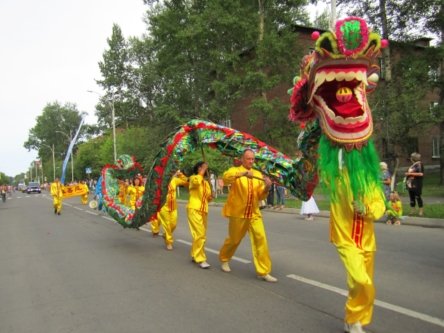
[331, 92]
[330, 98]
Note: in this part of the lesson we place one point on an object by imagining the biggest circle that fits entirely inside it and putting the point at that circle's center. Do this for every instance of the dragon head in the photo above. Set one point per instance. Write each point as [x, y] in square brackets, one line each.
[334, 81]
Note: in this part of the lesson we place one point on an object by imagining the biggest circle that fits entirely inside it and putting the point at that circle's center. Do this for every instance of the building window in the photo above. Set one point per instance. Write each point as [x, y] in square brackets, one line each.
[435, 148]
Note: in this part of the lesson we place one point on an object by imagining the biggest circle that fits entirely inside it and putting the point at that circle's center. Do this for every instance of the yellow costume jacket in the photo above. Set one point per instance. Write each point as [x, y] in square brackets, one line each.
[170, 203]
[245, 193]
[348, 228]
[56, 190]
[200, 194]
[134, 193]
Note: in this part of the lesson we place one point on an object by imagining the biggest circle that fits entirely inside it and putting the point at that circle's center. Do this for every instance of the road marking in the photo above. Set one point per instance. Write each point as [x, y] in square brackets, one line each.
[385, 305]
[109, 219]
[244, 261]
[382, 304]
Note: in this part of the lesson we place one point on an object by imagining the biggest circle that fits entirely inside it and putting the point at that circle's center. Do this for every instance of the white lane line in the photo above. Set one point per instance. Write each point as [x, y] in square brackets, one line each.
[244, 261]
[92, 213]
[78, 208]
[385, 305]
[109, 219]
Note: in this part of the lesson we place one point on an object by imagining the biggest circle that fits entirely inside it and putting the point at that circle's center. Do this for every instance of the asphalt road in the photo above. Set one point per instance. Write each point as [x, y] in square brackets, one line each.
[81, 272]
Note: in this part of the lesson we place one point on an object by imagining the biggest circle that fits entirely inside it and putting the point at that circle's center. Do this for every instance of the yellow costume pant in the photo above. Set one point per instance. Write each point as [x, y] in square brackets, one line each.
[359, 265]
[155, 227]
[169, 221]
[237, 229]
[84, 199]
[198, 228]
[57, 203]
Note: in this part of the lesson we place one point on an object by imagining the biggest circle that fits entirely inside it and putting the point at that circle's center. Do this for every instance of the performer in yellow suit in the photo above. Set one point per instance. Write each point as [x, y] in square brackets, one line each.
[57, 195]
[352, 232]
[123, 192]
[135, 192]
[197, 208]
[248, 188]
[84, 197]
[168, 212]
[356, 201]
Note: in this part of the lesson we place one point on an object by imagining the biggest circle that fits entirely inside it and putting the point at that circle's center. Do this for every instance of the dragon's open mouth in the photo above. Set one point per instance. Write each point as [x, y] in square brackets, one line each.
[339, 97]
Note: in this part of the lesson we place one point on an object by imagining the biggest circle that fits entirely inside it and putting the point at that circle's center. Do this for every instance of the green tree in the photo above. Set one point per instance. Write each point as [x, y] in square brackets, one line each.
[118, 81]
[276, 57]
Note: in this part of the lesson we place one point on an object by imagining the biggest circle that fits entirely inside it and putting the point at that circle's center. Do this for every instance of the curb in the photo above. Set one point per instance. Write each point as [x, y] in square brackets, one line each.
[407, 220]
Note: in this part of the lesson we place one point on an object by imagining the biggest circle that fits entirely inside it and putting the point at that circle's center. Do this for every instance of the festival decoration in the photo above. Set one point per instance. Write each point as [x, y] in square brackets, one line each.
[298, 176]
[70, 191]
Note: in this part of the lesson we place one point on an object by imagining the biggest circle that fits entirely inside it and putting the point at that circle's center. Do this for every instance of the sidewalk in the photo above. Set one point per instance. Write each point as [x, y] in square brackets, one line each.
[408, 220]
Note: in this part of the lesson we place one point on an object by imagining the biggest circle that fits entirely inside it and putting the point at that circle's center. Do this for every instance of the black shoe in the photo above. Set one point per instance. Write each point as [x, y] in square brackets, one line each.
[58, 213]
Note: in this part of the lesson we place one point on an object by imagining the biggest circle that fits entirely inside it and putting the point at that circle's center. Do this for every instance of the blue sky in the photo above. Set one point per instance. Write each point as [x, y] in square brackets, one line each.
[50, 52]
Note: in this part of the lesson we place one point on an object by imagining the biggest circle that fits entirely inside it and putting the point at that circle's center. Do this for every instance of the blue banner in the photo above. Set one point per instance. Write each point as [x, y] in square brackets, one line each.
[68, 153]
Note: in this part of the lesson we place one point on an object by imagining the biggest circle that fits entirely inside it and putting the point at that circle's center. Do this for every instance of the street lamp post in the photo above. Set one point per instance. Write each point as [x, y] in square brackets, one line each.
[72, 157]
[53, 157]
[113, 121]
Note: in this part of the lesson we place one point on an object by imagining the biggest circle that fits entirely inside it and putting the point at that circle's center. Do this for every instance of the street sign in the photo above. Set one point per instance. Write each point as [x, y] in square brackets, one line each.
[88, 170]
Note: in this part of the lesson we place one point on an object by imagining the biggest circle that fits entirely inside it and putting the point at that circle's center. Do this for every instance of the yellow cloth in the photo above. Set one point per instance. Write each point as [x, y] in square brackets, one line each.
[361, 290]
[350, 229]
[259, 247]
[197, 208]
[168, 213]
[245, 193]
[198, 227]
[134, 193]
[168, 219]
[171, 203]
[199, 194]
[57, 195]
[84, 197]
[354, 238]
[242, 209]
[155, 226]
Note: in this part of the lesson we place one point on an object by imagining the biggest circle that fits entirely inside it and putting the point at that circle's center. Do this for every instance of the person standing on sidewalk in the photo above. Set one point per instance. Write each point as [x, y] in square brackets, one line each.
[414, 176]
[280, 194]
[199, 196]
[57, 195]
[248, 187]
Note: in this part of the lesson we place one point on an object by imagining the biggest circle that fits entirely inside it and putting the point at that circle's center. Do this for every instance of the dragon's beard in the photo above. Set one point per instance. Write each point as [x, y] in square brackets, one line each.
[361, 165]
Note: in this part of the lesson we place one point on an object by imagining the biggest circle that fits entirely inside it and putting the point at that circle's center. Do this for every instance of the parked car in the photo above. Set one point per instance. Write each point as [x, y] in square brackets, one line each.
[33, 188]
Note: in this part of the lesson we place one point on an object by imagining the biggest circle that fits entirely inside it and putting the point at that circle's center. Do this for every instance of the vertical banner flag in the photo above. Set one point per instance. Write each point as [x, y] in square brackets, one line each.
[71, 145]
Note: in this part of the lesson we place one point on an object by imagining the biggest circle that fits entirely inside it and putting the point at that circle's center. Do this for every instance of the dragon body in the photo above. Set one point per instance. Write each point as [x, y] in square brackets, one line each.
[299, 176]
